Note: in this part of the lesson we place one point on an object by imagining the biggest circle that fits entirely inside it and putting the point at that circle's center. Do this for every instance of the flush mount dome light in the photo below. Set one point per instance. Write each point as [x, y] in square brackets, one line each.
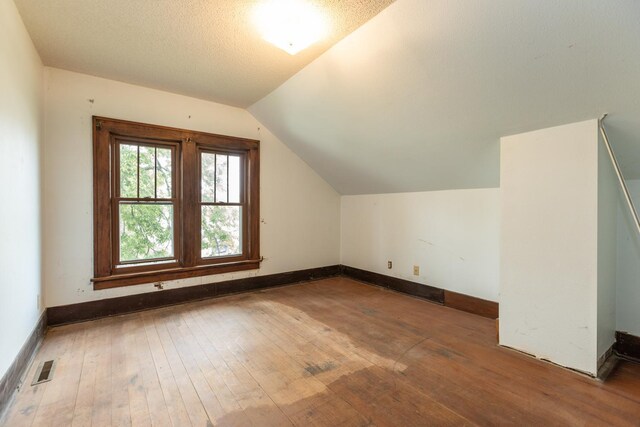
[291, 25]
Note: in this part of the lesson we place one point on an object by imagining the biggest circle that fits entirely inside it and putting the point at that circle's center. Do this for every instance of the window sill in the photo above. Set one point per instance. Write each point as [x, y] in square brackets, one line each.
[140, 278]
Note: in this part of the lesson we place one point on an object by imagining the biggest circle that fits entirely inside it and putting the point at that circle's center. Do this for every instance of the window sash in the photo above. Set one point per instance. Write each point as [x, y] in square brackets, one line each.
[147, 264]
[202, 150]
[118, 203]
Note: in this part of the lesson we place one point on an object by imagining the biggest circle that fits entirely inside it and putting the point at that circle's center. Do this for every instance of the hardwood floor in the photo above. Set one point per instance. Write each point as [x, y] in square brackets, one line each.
[333, 352]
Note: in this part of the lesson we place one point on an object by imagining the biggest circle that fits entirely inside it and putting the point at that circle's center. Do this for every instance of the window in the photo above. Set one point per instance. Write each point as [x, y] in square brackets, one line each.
[220, 205]
[145, 203]
[172, 203]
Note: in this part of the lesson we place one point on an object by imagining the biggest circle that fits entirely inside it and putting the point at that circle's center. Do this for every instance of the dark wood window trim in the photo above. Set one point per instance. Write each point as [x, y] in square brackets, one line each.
[187, 147]
[128, 267]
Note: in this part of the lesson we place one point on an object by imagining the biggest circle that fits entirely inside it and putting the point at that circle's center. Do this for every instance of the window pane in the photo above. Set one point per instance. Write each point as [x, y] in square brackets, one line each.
[208, 177]
[128, 170]
[146, 231]
[221, 178]
[234, 179]
[221, 231]
[147, 171]
[163, 165]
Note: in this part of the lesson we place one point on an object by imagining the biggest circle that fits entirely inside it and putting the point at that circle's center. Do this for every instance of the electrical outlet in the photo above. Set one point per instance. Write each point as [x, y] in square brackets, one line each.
[416, 270]
[389, 265]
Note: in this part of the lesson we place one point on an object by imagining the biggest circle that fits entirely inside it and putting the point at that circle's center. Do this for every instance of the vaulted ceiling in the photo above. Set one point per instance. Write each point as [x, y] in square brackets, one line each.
[208, 49]
[415, 99]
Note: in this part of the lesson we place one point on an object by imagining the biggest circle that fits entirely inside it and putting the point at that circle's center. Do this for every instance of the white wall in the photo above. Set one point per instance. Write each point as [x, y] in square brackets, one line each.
[451, 235]
[300, 212]
[549, 244]
[628, 272]
[609, 196]
[20, 136]
[417, 98]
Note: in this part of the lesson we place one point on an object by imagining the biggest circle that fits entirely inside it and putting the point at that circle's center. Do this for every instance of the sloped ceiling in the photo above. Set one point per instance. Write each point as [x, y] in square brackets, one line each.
[208, 49]
[417, 98]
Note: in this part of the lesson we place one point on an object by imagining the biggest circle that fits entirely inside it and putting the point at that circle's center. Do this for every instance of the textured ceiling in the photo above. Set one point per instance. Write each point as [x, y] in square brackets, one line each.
[204, 48]
[417, 98]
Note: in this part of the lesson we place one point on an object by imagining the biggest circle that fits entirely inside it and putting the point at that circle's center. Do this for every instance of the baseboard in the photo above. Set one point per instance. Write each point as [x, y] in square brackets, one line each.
[455, 300]
[11, 380]
[607, 363]
[412, 288]
[128, 304]
[92, 310]
[627, 346]
[479, 306]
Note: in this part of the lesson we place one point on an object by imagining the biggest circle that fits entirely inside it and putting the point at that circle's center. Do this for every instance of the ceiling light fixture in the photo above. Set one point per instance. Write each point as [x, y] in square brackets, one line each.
[291, 25]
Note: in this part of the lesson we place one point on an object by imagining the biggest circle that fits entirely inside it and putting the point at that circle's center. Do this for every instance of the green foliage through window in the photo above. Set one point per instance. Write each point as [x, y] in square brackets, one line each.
[146, 227]
[220, 224]
[221, 231]
[146, 231]
[147, 223]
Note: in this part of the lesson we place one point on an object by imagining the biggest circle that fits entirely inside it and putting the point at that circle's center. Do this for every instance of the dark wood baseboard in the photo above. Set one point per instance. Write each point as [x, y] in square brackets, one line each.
[412, 288]
[12, 378]
[128, 304]
[627, 345]
[455, 300]
[121, 305]
[479, 306]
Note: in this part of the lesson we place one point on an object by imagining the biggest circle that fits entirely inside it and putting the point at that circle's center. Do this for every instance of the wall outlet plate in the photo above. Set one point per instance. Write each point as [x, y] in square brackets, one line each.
[416, 270]
[389, 265]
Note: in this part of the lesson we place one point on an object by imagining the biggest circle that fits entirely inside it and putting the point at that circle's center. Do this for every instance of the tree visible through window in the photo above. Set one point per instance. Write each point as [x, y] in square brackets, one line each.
[172, 203]
[146, 206]
[221, 211]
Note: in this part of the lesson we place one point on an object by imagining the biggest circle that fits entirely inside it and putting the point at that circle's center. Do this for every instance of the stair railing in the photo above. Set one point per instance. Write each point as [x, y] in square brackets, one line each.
[616, 166]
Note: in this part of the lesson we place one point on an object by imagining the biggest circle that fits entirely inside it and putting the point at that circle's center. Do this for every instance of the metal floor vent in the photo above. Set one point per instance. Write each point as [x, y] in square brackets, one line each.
[44, 372]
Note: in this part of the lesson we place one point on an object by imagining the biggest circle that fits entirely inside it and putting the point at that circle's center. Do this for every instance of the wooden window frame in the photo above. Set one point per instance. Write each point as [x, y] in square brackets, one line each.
[120, 267]
[243, 202]
[187, 148]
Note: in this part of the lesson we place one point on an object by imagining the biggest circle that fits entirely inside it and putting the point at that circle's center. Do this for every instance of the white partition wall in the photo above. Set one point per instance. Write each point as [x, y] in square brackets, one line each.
[557, 270]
